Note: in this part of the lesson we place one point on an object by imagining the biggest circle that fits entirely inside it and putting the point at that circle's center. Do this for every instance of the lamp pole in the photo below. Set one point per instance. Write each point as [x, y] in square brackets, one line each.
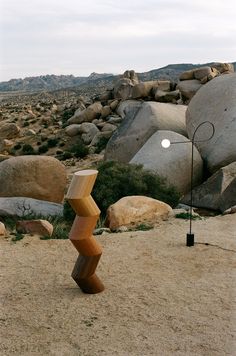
[166, 143]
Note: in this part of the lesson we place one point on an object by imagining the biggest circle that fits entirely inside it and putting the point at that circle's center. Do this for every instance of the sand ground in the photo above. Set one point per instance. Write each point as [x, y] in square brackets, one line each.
[161, 297]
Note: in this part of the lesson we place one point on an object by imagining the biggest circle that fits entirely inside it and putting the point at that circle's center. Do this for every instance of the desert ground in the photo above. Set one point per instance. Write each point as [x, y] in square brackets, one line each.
[161, 297]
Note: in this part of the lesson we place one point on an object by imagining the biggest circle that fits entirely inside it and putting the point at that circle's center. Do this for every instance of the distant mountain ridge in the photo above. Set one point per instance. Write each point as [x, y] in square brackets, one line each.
[55, 82]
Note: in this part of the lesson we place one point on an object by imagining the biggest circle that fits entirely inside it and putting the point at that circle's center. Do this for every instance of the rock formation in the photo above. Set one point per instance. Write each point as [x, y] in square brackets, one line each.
[191, 81]
[172, 163]
[38, 177]
[218, 192]
[215, 102]
[21, 207]
[140, 124]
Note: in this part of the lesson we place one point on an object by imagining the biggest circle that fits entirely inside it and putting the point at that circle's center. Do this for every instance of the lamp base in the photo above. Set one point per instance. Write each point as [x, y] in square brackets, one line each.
[190, 240]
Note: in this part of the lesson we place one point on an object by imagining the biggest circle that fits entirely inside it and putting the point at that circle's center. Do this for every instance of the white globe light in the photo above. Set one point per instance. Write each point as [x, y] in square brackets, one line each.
[165, 143]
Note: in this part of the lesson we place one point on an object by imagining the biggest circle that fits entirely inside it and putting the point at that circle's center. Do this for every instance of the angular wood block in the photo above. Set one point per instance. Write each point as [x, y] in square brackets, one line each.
[84, 207]
[83, 227]
[81, 232]
[82, 184]
[91, 285]
[88, 246]
[85, 266]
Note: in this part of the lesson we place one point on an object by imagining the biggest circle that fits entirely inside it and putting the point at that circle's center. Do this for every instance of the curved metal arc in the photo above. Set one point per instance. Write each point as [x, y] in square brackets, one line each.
[195, 131]
[201, 124]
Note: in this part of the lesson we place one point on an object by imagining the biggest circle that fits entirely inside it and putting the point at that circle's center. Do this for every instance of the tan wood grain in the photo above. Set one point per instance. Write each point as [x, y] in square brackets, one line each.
[88, 246]
[85, 206]
[87, 214]
[82, 184]
[83, 227]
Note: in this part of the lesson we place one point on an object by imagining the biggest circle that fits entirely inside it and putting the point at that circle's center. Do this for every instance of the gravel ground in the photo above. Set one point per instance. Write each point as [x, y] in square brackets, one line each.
[161, 297]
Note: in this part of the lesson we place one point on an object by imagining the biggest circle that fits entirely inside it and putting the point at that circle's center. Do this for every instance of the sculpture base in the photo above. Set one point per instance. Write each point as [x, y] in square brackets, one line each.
[190, 240]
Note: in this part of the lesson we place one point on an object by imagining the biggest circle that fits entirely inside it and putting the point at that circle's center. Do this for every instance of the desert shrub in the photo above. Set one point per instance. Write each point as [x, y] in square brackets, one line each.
[66, 155]
[17, 146]
[43, 149]
[60, 232]
[17, 237]
[116, 180]
[79, 150]
[186, 216]
[52, 142]
[28, 149]
[26, 123]
[67, 114]
[144, 227]
[101, 144]
[61, 227]
[68, 212]
[10, 223]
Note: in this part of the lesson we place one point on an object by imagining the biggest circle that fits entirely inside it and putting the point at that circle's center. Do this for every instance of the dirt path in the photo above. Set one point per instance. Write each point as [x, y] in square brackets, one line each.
[161, 297]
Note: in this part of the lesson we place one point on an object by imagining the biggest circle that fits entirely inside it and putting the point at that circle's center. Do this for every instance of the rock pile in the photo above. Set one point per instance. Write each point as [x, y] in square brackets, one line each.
[146, 124]
[140, 123]
[191, 81]
[127, 120]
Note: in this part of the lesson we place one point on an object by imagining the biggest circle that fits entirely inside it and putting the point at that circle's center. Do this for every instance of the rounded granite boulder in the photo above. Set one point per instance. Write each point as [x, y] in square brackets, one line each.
[215, 102]
[38, 177]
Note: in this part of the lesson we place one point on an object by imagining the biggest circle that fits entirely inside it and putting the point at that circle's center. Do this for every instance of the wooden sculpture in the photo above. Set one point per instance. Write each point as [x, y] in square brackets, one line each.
[81, 234]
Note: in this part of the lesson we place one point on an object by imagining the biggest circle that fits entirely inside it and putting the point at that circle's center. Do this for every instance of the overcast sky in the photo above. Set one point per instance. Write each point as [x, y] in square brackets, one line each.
[78, 37]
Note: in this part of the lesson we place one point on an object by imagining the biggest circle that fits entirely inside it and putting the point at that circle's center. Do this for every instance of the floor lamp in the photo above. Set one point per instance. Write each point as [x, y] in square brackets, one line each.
[166, 144]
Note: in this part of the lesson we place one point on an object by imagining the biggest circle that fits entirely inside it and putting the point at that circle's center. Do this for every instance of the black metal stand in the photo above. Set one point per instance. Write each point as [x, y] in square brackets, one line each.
[190, 235]
[190, 240]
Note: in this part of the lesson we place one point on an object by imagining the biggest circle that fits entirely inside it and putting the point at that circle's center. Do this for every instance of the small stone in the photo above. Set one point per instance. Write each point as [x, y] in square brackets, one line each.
[134, 210]
[102, 231]
[39, 227]
[30, 132]
[122, 229]
[3, 231]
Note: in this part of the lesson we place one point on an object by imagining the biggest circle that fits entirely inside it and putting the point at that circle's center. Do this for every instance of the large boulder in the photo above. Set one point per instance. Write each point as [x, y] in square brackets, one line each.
[224, 67]
[218, 192]
[101, 137]
[128, 107]
[202, 72]
[215, 102]
[9, 130]
[72, 130]
[188, 88]
[38, 177]
[21, 207]
[173, 163]
[166, 97]
[88, 130]
[123, 87]
[139, 125]
[146, 89]
[87, 115]
[143, 89]
[187, 75]
[134, 210]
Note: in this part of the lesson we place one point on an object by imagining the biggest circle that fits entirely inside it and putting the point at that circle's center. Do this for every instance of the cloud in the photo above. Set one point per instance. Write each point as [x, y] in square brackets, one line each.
[106, 35]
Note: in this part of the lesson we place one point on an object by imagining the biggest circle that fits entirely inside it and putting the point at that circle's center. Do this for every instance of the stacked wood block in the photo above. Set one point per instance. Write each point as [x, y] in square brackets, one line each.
[81, 234]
